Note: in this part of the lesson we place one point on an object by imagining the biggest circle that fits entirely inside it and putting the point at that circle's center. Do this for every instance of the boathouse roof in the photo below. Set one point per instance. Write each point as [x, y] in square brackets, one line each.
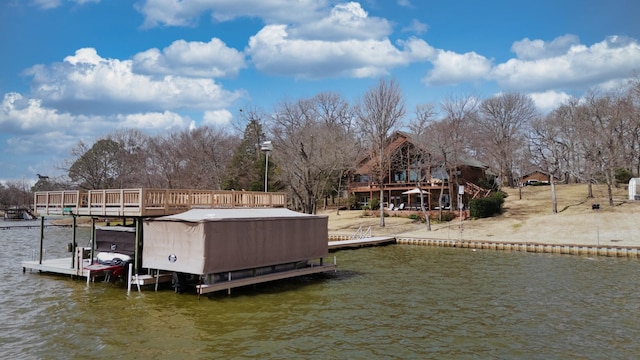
[204, 215]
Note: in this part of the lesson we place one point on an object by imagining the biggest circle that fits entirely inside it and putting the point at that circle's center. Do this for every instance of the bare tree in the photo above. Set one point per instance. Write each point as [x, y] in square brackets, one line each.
[634, 131]
[313, 144]
[379, 113]
[424, 115]
[500, 129]
[134, 157]
[549, 146]
[604, 124]
[15, 193]
[451, 135]
[335, 112]
[192, 158]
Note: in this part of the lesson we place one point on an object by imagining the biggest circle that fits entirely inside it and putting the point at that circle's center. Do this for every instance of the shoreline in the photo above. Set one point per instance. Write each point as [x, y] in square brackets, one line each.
[526, 220]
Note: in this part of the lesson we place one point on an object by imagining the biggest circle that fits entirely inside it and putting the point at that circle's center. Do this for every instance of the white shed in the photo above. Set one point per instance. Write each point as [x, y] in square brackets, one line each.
[633, 189]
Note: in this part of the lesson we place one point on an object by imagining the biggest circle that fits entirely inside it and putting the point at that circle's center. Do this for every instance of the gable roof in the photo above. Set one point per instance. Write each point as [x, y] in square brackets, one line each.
[400, 138]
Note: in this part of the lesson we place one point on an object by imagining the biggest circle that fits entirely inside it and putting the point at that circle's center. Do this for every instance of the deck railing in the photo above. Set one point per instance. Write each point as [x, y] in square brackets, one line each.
[148, 202]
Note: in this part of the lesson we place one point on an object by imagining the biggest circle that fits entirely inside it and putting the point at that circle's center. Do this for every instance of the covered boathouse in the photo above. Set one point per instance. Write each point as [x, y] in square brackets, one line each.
[144, 206]
[226, 247]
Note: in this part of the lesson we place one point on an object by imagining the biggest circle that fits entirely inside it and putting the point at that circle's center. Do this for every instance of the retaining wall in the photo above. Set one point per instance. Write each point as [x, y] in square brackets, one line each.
[592, 250]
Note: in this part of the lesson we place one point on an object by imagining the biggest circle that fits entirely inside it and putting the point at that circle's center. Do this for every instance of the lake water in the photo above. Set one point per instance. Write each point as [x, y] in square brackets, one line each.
[393, 302]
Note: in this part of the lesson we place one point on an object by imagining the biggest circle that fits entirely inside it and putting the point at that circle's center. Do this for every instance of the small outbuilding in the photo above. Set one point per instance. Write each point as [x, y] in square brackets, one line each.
[633, 189]
[210, 241]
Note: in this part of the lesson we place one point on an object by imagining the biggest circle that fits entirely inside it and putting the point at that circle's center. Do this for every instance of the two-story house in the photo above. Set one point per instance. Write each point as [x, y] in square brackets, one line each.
[408, 174]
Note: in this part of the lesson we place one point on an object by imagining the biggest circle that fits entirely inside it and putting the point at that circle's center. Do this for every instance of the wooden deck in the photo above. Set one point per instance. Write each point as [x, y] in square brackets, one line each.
[148, 202]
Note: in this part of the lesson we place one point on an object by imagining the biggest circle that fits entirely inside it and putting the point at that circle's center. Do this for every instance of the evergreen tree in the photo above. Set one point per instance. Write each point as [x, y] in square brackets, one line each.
[246, 169]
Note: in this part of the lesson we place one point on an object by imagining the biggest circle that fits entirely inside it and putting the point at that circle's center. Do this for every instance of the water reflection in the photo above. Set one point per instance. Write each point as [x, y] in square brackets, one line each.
[397, 301]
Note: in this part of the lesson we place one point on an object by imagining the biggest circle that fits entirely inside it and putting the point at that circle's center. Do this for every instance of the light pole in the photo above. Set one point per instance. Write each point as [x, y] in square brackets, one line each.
[267, 147]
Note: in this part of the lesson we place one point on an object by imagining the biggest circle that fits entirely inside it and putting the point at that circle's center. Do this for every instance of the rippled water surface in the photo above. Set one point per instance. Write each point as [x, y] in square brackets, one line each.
[398, 301]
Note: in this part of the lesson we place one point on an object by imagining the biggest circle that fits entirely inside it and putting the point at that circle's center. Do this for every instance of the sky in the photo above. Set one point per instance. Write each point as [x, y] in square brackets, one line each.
[75, 70]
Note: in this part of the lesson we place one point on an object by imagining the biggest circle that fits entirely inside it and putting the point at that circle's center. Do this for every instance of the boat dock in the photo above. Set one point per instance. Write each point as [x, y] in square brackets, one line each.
[140, 204]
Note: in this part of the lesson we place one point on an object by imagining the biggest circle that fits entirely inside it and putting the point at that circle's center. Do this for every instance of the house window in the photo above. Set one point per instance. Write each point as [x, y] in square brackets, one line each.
[400, 176]
[414, 175]
[363, 178]
[440, 173]
[445, 202]
[364, 201]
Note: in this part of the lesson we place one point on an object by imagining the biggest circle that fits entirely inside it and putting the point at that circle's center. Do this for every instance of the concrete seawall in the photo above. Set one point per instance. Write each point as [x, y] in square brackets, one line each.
[568, 249]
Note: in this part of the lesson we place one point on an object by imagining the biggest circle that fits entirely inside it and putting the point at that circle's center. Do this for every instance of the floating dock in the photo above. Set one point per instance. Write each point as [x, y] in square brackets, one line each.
[361, 242]
[230, 284]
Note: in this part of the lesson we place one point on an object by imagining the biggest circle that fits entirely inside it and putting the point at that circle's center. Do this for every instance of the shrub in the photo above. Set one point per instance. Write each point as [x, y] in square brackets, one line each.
[448, 216]
[487, 207]
[352, 200]
[374, 204]
[623, 176]
[488, 182]
[415, 217]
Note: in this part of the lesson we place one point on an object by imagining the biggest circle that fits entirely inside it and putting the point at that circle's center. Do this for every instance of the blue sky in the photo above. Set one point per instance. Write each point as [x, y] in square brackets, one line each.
[74, 70]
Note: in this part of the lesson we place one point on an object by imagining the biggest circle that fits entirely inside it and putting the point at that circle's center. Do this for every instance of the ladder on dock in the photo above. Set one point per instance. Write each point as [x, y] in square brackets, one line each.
[361, 234]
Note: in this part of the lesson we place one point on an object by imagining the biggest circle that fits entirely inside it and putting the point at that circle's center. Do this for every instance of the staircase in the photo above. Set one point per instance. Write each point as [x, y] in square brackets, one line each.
[475, 191]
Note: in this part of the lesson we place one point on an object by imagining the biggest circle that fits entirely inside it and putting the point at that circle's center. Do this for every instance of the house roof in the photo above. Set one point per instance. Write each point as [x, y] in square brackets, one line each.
[400, 138]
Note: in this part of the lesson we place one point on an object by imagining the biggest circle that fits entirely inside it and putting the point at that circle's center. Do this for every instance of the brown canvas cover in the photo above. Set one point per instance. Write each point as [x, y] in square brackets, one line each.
[207, 241]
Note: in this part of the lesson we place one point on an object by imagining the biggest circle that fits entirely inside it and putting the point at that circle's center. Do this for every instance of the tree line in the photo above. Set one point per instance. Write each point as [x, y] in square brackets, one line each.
[318, 140]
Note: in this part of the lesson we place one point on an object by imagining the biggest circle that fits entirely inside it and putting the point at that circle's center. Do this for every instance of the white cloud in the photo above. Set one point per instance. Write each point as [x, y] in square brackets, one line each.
[273, 52]
[192, 59]
[416, 27]
[344, 21]
[452, 68]
[304, 39]
[23, 115]
[51, 4]
[217, 117]
[20, 116]
[538, 49]
[186, 13]
[549, 100]
[578, 67]
[155, 121]
[46, 4]
[405, 3]
[30, 129]
[88, 83]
